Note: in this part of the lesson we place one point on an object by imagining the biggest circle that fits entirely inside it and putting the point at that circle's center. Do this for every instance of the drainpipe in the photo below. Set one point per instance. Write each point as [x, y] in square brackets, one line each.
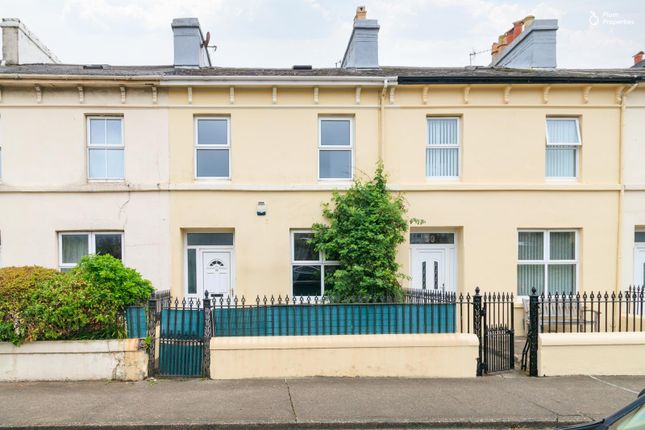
[381, 120]
[621, 182]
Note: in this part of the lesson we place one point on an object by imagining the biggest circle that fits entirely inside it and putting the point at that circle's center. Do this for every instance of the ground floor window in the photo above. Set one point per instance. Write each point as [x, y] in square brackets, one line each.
[74, 245]
[310, 271]
[547, 261]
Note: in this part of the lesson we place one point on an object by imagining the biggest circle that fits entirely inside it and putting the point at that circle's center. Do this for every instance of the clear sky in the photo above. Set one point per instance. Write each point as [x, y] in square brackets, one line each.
[280, 33]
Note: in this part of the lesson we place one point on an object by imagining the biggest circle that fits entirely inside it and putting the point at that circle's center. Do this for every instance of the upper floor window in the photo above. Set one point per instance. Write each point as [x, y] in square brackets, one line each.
[442, 152]
[335, 144]
[212, 148]
[562, 144]
[311, 272]
[75, 245]
[547, 261]
[105, 148]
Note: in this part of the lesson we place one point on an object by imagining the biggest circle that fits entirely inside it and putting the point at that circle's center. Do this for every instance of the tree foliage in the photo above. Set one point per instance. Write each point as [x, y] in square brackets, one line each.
[364, 227]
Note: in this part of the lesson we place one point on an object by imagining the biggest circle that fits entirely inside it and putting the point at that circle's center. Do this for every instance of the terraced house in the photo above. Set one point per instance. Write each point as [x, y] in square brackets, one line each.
[209, 178]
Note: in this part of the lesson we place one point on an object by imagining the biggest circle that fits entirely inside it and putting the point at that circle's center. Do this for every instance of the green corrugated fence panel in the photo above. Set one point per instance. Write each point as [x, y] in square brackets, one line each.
[334, 319]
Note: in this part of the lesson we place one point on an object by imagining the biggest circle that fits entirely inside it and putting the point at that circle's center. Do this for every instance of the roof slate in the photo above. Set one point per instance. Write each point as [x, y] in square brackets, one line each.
[405, 75]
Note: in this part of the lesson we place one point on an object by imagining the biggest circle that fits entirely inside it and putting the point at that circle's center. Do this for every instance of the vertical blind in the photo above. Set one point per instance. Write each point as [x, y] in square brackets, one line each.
[442, 155]
[562, 145]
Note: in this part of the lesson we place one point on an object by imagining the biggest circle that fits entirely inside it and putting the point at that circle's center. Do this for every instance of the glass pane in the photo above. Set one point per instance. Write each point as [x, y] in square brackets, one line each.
[336, 164]
[212, 163]
[562, 131]
[561, 162]
[639, 236]
[562, 278]
[530, 276]
[114, 163]
[335, 132]
[212, 132]
[530, 245]
[97, 132]
[113, 130]
[98, 166]
[306, 281]
[430, 238]
[442, 162]
[75, 246]
[302, 251]
[192, 271]
[563, 245]
[108, 244]
[443, 131]
[198, 239]
[329, 278]
[634, 420]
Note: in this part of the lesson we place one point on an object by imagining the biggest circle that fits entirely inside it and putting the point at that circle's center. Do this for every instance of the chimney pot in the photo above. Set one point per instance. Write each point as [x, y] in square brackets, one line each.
[638, 57]
[361, 13]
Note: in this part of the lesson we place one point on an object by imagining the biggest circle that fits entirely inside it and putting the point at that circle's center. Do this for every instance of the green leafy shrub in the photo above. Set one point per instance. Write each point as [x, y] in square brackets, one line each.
[366, 225]
[86, 303]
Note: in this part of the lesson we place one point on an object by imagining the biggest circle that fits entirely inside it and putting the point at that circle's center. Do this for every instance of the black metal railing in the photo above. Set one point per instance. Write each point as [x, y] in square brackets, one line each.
[413, 312]
[586, 312]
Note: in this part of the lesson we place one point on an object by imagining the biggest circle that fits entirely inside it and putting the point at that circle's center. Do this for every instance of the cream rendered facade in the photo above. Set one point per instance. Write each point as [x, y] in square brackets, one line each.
[501, 188]
[44, 185]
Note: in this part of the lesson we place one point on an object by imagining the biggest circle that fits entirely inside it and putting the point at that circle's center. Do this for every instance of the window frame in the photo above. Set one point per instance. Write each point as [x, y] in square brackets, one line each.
[91, 244]
[322, 262]
[349, 147]
[575, 146]
[457, 146]
[211, 147]
[89, 146]
[546, 251]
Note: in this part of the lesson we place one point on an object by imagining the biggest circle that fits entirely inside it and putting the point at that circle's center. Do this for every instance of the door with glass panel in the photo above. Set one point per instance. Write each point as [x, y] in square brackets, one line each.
[639, 258]
[433, 265]
[210, 264]
[547, 261]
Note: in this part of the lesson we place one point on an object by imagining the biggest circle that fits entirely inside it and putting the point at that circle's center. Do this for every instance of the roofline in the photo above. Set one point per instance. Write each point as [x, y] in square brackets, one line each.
[416, 80]
[174, 81]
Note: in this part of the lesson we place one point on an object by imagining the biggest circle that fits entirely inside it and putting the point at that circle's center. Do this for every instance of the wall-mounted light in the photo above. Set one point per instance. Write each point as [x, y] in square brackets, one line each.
[261, 209]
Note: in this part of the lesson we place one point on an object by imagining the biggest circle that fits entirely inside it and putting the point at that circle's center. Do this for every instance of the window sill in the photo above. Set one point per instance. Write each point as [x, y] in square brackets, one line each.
[100, 181]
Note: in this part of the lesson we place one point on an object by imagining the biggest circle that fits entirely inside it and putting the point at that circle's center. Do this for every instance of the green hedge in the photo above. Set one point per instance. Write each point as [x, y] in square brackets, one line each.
[86, 303]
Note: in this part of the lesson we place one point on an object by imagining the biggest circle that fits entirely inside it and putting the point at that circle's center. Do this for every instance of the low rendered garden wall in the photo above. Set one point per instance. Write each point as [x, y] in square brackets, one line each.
[397, 355]
[122, 360]
[618, 353]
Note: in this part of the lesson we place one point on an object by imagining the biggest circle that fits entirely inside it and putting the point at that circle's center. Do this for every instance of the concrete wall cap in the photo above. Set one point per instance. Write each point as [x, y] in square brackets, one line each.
[71, 347]
[572, 339]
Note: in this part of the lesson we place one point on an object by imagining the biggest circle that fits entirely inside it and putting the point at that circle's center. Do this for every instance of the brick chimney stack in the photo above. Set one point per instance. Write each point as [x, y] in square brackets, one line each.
[529, 44]
[638, 57]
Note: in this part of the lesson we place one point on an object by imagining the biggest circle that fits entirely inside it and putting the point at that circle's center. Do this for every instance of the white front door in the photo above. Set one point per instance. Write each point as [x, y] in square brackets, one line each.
[216, 273]
[433, 268]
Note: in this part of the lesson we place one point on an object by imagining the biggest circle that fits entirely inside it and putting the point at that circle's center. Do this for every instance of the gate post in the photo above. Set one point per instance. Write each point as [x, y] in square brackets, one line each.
[206, 358]
[477, 328]
[152, 335]
[533, 332]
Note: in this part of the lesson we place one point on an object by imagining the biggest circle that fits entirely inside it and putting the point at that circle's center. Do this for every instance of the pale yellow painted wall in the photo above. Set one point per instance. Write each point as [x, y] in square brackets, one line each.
[400, 355]
[591, 354]
[502, 188]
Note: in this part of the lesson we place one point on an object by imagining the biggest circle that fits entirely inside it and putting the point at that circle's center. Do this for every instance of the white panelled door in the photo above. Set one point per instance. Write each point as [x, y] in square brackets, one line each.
[639, 264]
[216, 273]
[433, 268]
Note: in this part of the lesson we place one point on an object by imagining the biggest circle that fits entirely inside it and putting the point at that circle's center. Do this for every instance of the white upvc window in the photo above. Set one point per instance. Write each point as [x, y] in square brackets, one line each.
[310, 270]
[72, 246]
[212, 148]
[547, 261]
[562, 147]
[335, 148]
[105, 148]
[442, 148]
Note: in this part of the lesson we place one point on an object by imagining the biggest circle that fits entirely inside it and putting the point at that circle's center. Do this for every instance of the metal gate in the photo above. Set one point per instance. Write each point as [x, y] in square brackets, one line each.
[494, 327]
[184, 330]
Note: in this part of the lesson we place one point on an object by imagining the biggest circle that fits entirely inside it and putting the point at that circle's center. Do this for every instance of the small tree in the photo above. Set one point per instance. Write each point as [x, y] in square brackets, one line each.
[366, 224]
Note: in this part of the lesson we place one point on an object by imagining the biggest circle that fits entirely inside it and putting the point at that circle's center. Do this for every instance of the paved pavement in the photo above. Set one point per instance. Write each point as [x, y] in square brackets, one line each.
[500, 401]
